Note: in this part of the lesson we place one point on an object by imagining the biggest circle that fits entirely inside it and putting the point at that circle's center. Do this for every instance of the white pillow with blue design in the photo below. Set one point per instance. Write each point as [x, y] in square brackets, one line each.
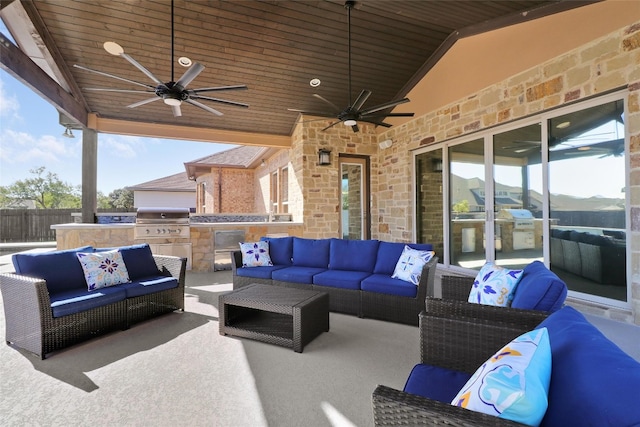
[514, 383]
[255, 254]
[410, 264]
[102, 269]
[494, 285]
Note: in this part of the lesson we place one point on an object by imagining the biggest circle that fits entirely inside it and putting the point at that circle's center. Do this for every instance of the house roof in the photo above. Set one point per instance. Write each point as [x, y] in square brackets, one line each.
[242, 157]
[274, 47]
[178, 182]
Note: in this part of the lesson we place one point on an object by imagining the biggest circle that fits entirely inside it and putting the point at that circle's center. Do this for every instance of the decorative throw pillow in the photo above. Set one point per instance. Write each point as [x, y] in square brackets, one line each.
[494, 285]
[255, 254]
[103, 269]
[514, 383]
[410, 263]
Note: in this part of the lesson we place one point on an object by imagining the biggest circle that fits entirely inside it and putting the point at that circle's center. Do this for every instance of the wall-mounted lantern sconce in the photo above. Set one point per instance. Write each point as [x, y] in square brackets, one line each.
[324, 157]
[437, 165]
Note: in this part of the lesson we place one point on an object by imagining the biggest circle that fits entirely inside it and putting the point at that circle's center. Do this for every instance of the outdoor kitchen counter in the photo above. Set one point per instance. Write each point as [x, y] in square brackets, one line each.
[201, 240]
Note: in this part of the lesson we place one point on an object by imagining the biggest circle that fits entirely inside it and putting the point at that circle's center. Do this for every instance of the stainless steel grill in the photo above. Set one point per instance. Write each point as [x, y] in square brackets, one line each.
[162, 223]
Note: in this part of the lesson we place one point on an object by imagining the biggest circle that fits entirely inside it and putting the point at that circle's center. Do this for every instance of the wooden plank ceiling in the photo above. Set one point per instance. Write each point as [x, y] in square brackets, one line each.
[274, 47]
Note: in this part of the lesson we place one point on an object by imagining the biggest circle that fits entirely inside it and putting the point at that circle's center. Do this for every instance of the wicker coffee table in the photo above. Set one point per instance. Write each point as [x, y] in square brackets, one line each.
[276, 315]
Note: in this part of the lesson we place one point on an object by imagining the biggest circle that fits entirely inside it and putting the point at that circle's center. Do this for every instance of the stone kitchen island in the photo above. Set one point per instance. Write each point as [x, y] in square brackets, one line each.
[198, 247]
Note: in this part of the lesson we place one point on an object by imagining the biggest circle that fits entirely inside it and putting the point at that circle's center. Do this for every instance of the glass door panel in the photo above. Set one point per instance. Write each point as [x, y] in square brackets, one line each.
[587, 163]
[466, 204]
[354, 201]
[429, 224]
[517, 196]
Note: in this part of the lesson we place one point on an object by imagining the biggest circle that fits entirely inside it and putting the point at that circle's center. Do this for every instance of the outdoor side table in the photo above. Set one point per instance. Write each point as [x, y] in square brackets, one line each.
[283, 316]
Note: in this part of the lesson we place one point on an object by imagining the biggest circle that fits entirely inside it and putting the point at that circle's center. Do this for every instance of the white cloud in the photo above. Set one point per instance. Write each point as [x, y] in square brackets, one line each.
[21, 147]
[127, 147]
[9, 104]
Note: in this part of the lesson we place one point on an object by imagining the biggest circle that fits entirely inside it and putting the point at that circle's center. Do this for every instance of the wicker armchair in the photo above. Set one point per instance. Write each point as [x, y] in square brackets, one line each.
[455, 343]
[456, 289]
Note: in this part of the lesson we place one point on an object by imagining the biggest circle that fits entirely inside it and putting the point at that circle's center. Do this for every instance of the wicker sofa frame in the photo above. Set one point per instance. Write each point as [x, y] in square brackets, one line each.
[456, 343]
[30, 324]
[364, 304]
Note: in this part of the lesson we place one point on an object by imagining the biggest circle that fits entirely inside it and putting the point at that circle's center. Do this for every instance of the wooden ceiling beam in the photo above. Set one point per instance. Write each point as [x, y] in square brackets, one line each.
[190, 133]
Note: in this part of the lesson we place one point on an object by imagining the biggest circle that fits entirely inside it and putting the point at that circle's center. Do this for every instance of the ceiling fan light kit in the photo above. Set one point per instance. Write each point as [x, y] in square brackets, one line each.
[354, 113]
[173, 93]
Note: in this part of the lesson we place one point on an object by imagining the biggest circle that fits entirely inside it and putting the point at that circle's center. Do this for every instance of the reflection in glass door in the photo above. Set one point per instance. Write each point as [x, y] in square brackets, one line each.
[517, 196]
[354, 200]
[466, 204]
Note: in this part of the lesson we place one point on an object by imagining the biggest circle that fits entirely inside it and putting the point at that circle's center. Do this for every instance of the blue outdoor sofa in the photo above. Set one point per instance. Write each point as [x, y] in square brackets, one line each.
[355, 273]
[48, 304]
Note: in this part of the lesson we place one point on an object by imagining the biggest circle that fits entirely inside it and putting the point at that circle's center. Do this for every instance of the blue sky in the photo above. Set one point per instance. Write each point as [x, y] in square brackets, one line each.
[30, 137]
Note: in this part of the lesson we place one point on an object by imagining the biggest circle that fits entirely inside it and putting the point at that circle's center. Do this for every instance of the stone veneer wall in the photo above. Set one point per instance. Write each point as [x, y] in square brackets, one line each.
[605, 64]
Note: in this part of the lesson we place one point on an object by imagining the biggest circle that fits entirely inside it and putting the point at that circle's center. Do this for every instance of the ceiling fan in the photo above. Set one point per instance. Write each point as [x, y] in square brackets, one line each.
[354, 113]
[173, 93]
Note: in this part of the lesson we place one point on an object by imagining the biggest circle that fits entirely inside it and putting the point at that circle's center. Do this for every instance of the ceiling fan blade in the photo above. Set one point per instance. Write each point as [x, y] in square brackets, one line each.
[211, 89]
[355, 128]
[362, 98]
[113, 77]
[204, 107]
[177, 112]
[222, 101]
[334, 106]
[141, 68]
[375, 122]
[102, 89]
[383, 106]
[314, 113]
[332, 125]
[144, 101]
[188, 76]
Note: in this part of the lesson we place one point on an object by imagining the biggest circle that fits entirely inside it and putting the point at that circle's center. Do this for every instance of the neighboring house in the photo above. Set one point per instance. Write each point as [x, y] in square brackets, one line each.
[175, 191]
[244, 179]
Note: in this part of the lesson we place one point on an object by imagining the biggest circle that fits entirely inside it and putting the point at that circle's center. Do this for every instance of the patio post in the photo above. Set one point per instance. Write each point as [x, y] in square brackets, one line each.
[89, 175]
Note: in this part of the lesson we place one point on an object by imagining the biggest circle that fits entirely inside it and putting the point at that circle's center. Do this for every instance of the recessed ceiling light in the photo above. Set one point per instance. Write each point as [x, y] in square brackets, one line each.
[584, 148]
[314, 82]
[184, 61]
[563, 125]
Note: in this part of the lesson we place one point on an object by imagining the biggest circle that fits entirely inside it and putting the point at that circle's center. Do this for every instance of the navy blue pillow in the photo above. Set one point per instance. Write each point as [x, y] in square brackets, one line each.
[280, 249]
[61, 269]
[435, 383]
[353, 255]
[539, 289]
[389, 254]
[593, 382]
[139, 261]
[311, 252]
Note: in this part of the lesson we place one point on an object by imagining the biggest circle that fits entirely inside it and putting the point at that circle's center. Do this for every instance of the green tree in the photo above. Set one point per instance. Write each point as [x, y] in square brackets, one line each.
[104, 202]
[461, 206]
[45, 189]
[121, 198]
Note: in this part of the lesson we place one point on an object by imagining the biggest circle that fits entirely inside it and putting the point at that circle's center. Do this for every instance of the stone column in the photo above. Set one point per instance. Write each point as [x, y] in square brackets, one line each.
[89, 175]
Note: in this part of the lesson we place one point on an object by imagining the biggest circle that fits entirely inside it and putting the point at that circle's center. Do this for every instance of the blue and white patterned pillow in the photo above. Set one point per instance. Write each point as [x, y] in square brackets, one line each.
[410, 264]
[514, 383]
[102, 269]
[494, 285]
[255, 254]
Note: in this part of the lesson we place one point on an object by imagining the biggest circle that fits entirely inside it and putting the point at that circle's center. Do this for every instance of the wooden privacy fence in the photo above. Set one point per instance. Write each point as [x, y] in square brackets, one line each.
[34, 225]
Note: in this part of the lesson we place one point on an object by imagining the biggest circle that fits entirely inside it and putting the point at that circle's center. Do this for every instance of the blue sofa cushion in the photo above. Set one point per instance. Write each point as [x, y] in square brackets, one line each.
[280, 249]
[258, 272]
[389, 254]
[539, 289]
[296, 274]
[149, 285]
[340, 279]
[436, 383]
[311, 252]
[76, 301]
[383, 284]
[593, 382]
[60, 269]
[353, 255]
[139, 261]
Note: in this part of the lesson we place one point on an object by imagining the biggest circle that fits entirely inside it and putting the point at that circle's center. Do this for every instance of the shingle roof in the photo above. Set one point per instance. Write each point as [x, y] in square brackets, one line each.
[177, 182]
[239, 157]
